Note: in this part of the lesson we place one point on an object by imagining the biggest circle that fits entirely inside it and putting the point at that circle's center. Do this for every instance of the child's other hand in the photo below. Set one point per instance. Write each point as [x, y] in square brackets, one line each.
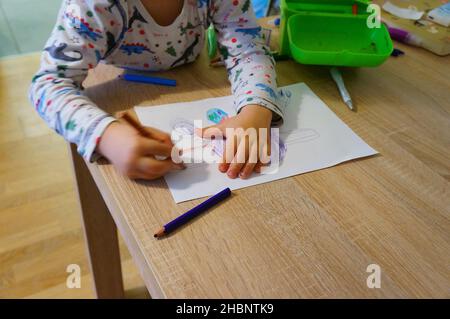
[134, 155]
[243, 152]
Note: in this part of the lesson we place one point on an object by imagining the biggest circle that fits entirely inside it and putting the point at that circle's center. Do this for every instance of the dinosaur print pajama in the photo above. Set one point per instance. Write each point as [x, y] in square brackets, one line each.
[123, 33]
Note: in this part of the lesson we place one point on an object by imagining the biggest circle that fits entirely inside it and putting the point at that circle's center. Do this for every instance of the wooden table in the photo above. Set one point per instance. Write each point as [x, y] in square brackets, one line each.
[311, 235]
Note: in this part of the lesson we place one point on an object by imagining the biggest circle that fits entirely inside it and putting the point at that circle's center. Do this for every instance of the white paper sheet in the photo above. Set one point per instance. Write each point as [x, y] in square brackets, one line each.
[315, 137]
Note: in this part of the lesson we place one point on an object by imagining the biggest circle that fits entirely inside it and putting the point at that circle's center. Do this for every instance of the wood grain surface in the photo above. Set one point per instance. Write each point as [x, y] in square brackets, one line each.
[40, 225]
[311, 235]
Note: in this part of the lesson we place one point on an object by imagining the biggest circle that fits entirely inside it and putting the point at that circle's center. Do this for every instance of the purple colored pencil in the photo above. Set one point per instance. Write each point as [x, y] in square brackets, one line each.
[194, 212]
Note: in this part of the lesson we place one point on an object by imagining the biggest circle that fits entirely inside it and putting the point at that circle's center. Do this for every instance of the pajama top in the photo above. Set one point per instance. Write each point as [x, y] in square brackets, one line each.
[123, 33]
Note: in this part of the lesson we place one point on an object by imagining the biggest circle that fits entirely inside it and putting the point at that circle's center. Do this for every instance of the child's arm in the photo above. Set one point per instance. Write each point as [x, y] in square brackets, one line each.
[85, 32]
[251, 71]
[250, 66]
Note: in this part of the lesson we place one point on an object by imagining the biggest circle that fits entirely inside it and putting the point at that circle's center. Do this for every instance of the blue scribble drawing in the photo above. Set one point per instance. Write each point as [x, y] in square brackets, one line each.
[283, 93]
[284, 97]
[216, 115]
[254, 32]
[267, 89]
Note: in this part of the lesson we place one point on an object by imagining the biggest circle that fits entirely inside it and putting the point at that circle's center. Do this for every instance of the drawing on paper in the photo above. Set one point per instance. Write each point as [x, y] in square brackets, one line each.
[216, 115]
[301, 135]
[182, 127]
[284, 97]
[191, 145]
[312, 137]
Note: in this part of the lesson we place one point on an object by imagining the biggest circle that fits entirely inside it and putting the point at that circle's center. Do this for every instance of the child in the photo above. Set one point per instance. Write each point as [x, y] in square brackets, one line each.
[152, 35]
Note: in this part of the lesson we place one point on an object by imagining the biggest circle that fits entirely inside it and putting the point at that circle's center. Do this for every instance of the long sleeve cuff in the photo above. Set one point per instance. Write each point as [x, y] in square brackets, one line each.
[277, 118]
[267, 102]
[87, 149]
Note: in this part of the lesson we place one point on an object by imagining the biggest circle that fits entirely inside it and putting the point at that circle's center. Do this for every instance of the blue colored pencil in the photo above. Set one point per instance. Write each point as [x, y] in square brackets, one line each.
[148, 79]
[197, 210]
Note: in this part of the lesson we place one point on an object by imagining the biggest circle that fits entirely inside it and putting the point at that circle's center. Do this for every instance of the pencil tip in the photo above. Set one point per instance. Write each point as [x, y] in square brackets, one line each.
[159, 233]
[350, 105]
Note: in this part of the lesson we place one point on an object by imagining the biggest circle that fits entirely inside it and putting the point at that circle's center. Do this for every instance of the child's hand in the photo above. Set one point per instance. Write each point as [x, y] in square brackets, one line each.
[134, 155]
[243, 152]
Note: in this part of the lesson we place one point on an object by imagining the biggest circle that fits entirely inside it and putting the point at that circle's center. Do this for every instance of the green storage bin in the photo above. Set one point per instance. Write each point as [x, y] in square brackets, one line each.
[325, 32]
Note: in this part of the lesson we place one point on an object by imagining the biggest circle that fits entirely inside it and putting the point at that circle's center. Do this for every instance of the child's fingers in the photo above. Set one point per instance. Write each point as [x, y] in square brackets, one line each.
[264, 158]
[248, 168]
[137, 173]
[239, 159]
[147, 176]
[159, 135]
[151, 166]
[264, 152]
[223, 167]
[154, 147]
[229, 150]
[253, 156]
[260, 166]
[211, 132]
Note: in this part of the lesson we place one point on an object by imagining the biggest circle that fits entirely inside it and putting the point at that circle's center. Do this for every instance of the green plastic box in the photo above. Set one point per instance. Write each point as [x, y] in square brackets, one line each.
[327, 32]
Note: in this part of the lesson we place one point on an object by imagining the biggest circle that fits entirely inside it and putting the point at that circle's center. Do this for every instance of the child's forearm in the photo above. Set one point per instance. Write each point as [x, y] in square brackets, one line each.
[69, 113]
[250, 66]
[73, 48]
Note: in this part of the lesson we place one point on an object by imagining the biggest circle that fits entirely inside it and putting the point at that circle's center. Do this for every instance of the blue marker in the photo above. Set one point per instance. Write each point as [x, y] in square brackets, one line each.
[148, 79]
[197, 210]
